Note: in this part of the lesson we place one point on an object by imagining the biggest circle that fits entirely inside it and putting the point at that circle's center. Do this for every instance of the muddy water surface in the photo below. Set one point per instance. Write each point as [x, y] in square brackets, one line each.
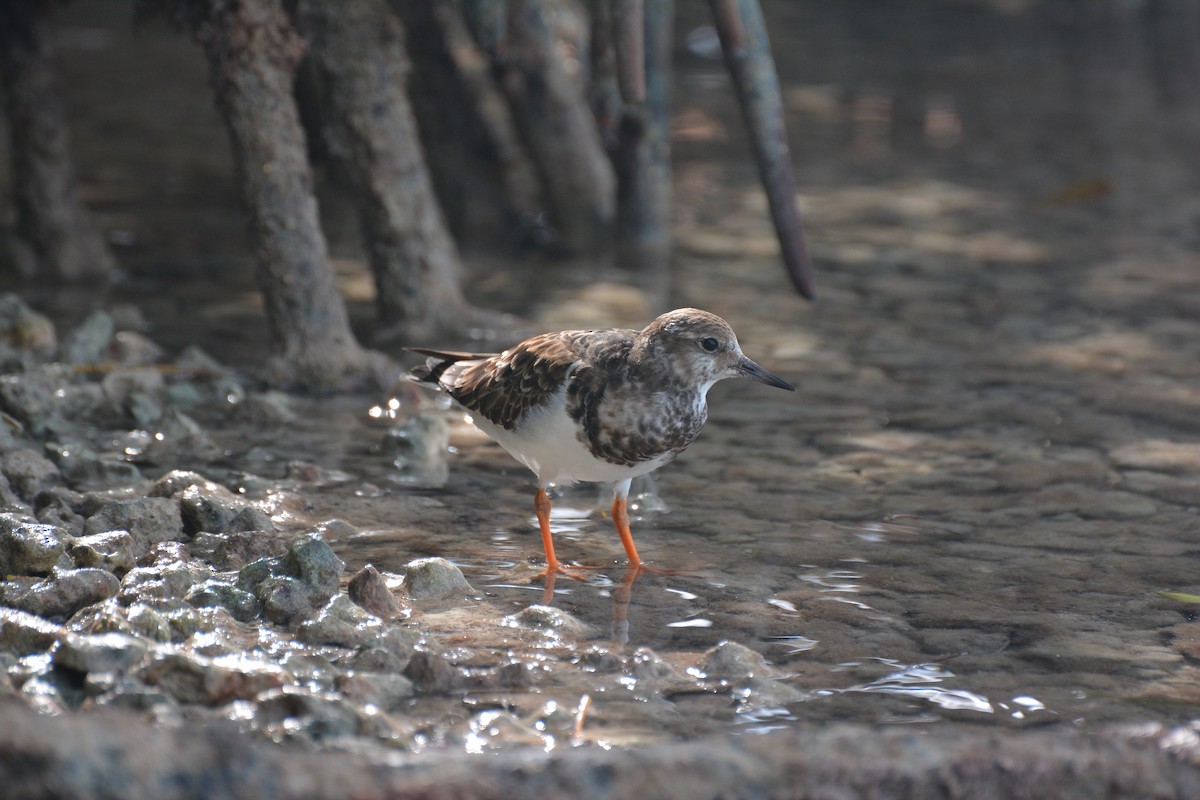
[989, 477]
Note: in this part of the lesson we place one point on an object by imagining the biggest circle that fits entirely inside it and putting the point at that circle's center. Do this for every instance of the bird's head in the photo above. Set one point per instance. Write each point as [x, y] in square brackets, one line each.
[697, 348]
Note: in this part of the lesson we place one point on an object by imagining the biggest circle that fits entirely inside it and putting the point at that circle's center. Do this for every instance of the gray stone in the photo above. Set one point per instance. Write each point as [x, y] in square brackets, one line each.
[341, 623]
[317, 715]
[159, 582]
[384, 690]
[148, 520]
[28, 472]
[28, 548]
[211, 510]
[63, 593]
[138, 620]
[434, 579]
[112, 550]
[432, 673]
[733, 660]
[60, 506]
[193, 678]
[137, 394]
[238, 549]
[177, 480]
[312, 560]
[88, 342]
[549, 620]
[284, 598]
[23, 328]
[242, 605]
[22, 633]
[251, 520]
[369, 590]
[104, 652]
[10, 503]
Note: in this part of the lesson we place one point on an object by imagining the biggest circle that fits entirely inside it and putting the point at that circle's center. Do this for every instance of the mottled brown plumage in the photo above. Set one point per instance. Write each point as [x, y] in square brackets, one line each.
[597, 405]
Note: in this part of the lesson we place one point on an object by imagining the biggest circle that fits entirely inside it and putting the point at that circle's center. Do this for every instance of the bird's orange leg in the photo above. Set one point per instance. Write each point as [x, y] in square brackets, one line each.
[620, 515]
[541, 504]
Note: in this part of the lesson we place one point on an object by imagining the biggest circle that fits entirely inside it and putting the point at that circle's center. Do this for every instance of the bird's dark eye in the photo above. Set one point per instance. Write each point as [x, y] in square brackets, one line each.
[709, 344]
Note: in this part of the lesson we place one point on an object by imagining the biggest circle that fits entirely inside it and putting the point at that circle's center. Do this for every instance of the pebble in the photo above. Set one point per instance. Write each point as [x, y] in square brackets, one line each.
[291, 711]
[387, 690]
[368, 589]
[88, 342]
[191, 678]
[28, 548]
[549, 620]
[103, 652]
[63, 593]
[148, 520]
[28, 472]
[730, 660]
[242, 605]
[112, 551]
[22, 633]
[340, 622]
[434, 579]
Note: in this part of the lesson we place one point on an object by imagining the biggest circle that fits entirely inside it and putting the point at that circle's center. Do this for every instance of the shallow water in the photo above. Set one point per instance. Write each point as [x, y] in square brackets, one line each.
[990, 472]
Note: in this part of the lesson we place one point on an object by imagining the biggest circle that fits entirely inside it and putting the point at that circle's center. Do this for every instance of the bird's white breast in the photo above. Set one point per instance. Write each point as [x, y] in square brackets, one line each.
[548, 442]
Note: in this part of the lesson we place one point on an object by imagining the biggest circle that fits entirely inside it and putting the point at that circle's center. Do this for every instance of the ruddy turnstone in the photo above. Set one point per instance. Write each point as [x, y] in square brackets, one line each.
[596, 405]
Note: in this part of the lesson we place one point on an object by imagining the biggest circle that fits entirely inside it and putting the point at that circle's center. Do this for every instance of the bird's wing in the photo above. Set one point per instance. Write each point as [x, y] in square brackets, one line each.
[502, 388]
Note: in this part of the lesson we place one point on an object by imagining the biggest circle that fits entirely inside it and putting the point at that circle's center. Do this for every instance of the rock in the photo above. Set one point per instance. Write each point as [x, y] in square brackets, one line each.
[63, 593]
[211, 681]
[432, 673]
[733, 660]
[23, 634]
[549, 620]
[112, 551]
[138, 619]
[340, 623]
[10, 503]
[265, 409]
[28, 472]
[23, 328]
[171, 580]
[236, 549]
[177, 480]
[28, 548]
[105, 652]
[205, 509]
[251, 520]
[390, 651]
[42, 399]
[242, 605]
[136, 394]
[312, 560]
[88, 343]
[369, 590]
[292, 710]
[385, 690]
[647, 665]
[284, 598]
[132, 349]
[434, 579]
[60, 506]
[148, 520]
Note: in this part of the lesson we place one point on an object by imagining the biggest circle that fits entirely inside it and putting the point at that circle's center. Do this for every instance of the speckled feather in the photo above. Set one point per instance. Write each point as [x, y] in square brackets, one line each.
[636, 397]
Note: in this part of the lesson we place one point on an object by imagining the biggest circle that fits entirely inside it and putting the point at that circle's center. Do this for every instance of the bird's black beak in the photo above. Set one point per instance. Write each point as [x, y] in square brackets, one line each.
[748, 369]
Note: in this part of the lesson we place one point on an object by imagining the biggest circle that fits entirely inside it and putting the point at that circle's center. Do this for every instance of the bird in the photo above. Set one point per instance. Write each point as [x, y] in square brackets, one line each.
[596, 405]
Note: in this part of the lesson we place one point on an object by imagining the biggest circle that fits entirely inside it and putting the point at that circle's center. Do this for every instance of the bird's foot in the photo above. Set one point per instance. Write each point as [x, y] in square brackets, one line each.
[556, 568]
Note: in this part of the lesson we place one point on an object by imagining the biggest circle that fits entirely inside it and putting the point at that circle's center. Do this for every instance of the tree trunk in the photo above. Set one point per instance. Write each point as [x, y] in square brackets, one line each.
[357, 58]
[54, 236]
[556, 123]
[480, 168]
[253, 53]
[643, 156]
